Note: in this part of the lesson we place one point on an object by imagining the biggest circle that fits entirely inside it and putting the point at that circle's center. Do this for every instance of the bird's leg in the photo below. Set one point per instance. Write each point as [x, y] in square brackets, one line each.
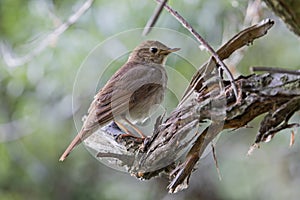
[128, 137]
[134, 127]
[123, 128]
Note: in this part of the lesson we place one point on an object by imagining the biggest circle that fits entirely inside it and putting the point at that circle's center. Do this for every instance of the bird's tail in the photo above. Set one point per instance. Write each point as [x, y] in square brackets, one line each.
[77, 140]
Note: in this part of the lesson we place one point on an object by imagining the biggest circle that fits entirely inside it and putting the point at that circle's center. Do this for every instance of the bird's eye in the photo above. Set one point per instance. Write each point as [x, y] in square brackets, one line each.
[153, 50]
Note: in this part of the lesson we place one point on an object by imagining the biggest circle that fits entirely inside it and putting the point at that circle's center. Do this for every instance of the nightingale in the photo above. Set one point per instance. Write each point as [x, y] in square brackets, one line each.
[130, 93]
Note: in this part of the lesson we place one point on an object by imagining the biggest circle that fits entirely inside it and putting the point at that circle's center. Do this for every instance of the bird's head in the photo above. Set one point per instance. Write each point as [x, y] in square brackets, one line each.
[151, 52]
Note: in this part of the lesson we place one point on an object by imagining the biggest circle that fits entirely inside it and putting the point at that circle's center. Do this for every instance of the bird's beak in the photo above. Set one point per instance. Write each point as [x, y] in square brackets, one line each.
[170, 50]
[173, 49]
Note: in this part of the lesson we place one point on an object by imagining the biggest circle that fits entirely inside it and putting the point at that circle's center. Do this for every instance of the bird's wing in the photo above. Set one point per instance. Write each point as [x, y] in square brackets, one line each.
[115, 98]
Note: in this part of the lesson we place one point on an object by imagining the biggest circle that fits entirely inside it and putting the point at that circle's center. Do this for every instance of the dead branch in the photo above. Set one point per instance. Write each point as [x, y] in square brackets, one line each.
[273, 70]
[288, 11]
[13, 61]
[151, 22]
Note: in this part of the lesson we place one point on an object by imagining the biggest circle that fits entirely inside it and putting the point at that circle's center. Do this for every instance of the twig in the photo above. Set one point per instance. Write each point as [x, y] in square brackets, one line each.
[243, 38]
[216, 160]
[153, 19]
[204, 43]
[292, 138]
[12, 61]
[275, 70]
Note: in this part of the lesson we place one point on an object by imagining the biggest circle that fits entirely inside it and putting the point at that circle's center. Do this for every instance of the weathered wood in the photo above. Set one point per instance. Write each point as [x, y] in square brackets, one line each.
[288, 11]
[277, 94]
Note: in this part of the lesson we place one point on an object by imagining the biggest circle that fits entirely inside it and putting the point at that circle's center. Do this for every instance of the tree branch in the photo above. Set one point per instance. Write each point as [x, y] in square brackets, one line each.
[13, 61]
[288, 11]
[151, 22]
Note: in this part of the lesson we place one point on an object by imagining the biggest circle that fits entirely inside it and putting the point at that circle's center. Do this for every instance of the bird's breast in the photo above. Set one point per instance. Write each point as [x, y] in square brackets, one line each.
[148, 94]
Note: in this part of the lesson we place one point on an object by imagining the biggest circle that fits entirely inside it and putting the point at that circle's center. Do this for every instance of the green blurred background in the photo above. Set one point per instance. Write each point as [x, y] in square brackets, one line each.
[36, 111]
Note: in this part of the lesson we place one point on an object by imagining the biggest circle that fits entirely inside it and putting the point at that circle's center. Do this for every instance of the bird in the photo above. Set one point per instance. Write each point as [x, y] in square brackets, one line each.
[130, 93]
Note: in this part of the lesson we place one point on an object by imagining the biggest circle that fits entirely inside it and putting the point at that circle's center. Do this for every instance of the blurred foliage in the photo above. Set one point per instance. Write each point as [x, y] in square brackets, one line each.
[36, 116]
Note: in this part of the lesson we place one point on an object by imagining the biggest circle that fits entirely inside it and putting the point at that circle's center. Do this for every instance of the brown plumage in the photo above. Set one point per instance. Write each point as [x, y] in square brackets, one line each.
[130, 93]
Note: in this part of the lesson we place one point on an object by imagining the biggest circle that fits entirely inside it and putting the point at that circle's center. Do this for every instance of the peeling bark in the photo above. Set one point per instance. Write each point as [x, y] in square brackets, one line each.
[288, 11]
